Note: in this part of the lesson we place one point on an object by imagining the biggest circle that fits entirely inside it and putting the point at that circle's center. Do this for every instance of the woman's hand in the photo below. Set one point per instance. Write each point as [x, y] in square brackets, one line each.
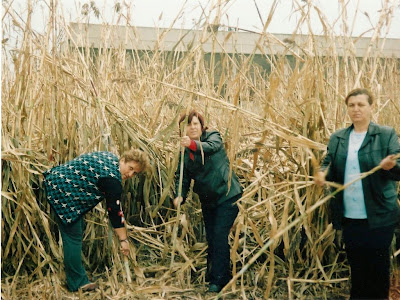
[388, 162]
[125, 247]
[177, 201]
[338, 239]
[319, 178]
[185, 141]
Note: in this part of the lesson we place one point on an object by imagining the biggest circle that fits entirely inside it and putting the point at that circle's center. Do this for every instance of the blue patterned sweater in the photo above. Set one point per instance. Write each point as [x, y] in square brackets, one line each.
[74, 188]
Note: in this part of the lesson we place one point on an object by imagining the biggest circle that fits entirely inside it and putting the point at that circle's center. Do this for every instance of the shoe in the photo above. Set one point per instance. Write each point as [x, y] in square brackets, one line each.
[91, 286]
[214, 288]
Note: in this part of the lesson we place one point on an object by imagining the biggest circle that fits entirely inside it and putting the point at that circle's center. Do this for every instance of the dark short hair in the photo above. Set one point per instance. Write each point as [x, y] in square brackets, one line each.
[192, 114]
[360, 91]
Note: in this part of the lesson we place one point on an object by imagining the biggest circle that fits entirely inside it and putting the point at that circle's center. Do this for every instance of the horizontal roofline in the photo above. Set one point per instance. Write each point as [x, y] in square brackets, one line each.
[221, 41]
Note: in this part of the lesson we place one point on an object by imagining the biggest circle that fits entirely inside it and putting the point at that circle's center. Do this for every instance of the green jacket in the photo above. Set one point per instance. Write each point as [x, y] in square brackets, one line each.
[380, 188]
[211, 178]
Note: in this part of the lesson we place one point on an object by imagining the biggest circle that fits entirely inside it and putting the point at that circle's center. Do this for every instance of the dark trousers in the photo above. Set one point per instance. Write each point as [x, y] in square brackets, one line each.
[368, 253]
[71, 235]
[218, 221]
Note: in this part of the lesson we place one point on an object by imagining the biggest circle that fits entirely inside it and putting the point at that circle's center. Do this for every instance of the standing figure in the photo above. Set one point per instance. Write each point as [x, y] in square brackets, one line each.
[74, 188]
[367, 210]
[206, 162]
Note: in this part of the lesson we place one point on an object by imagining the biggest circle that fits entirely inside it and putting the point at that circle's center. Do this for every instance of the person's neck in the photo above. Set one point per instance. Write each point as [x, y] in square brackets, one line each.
[361, 127]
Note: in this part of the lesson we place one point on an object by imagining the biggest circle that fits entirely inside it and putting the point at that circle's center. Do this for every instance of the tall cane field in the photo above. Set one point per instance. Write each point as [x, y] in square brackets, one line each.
[62, 96]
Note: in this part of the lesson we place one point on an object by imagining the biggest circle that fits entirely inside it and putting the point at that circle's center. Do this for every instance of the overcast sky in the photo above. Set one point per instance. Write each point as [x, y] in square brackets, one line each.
[241, 13]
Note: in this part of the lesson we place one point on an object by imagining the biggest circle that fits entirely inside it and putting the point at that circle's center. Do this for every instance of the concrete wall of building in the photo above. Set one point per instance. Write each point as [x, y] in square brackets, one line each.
[217, 41]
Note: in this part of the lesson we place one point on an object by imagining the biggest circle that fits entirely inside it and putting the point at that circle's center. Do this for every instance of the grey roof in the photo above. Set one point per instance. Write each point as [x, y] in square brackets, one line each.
[222, 41]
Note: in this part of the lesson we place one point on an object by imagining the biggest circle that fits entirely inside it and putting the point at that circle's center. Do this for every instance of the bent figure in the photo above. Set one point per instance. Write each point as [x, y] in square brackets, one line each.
[367, 210]
[206, 162]
[74, 188]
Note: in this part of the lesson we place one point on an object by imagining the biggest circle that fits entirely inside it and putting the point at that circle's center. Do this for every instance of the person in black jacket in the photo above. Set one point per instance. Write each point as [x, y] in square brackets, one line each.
[367, 210]
[206, 162]
[74, 188]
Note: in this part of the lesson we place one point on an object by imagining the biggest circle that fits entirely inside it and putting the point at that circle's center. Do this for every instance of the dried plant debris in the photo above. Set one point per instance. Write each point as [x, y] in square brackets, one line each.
[275, 112]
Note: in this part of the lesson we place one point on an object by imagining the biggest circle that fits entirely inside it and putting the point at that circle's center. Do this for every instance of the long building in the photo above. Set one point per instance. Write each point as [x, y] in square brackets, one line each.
[218, 40]
[216, 43]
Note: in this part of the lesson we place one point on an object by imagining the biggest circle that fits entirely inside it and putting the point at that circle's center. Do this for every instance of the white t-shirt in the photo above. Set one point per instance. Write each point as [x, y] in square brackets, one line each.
[353, 196]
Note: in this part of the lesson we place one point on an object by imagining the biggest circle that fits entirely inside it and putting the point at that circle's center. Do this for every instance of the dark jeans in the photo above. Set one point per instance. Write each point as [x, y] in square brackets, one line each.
[218, 221]
[368, 252]
[71, 235]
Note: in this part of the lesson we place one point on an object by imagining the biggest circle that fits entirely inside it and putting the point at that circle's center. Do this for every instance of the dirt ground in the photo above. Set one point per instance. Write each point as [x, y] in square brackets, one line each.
[52, 287]
[395, 286]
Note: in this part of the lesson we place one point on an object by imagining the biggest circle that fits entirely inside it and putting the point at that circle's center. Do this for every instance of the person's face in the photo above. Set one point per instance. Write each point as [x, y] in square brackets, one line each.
[359, 109]
[193, 130]
[128, 169]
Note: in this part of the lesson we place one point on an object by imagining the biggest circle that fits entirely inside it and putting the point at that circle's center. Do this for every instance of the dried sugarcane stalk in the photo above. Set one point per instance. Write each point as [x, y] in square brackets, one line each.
[134, 96]
[127, 269]
[179, 194]
[296, 221]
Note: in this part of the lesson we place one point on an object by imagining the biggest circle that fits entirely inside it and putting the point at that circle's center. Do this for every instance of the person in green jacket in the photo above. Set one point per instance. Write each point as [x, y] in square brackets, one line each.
[206, 162]
[367, 210]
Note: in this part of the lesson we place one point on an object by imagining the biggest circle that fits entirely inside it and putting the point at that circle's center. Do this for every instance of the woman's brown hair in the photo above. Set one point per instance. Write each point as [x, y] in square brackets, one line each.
[192, 114]
[360, 91]
[139, 157]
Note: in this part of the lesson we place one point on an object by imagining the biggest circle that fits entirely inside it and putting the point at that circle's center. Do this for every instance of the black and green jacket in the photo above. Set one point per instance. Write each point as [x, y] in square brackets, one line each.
[211, 178]
[380, 188]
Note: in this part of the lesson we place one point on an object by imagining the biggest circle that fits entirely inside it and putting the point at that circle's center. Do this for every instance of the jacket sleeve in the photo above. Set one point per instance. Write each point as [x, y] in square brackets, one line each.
[211, 144]
[329, 158]
[112, 190]
[185, 181]
[394, 148]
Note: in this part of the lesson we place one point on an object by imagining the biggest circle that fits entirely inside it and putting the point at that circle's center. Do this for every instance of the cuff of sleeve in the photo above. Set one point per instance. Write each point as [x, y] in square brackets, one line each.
[117, 224]
[395, 170]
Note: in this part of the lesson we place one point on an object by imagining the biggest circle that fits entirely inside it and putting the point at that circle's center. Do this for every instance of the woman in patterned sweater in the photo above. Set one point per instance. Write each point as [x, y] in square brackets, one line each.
[74, 188]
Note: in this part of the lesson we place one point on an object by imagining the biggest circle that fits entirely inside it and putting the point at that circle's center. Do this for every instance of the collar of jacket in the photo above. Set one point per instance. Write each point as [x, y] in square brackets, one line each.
[203, 136]
[373, 129]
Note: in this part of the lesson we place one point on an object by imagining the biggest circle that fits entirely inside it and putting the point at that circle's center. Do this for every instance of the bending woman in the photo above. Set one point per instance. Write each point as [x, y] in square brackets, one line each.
[74, 188]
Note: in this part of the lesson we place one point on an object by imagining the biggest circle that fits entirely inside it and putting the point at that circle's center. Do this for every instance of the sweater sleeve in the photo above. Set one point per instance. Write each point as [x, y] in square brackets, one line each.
[112, 191]
[193, 145]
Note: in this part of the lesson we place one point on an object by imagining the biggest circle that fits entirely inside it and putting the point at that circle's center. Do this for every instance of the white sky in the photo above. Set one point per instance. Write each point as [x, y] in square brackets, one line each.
[241, 13]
